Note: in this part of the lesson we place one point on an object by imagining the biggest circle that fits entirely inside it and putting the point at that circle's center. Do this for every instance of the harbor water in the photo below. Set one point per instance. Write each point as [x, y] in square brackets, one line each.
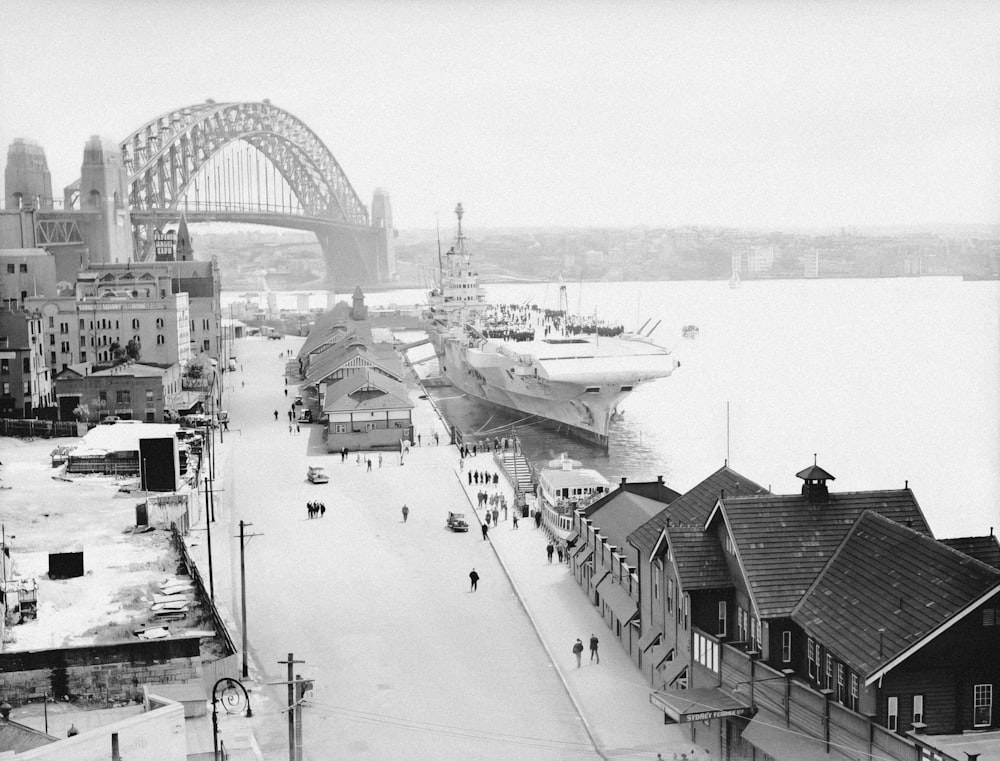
[888, 382]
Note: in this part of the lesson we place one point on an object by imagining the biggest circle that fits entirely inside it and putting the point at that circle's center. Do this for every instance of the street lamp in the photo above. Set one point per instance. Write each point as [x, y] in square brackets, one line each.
[233, 697]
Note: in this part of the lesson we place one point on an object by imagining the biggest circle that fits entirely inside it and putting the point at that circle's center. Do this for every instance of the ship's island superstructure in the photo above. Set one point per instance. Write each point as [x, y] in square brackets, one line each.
[571, 370]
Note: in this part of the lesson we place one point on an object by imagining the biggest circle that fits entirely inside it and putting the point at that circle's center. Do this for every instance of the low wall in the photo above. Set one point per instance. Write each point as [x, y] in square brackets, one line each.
[114, 672]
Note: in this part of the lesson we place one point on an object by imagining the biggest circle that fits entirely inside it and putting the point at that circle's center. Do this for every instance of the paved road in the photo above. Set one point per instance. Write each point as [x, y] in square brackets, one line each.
[407, 662]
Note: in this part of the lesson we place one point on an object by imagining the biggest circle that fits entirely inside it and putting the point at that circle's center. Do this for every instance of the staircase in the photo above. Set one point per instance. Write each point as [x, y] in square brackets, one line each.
[518, 471]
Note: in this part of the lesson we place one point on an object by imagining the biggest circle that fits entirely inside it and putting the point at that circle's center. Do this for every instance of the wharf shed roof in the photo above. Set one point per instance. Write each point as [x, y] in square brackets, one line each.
[17, 737]
[885, 589]
[984, 548]
[694, 506]
[350, 394]
[784, 541]
[619, 516]
[698, 558]
[332, 358]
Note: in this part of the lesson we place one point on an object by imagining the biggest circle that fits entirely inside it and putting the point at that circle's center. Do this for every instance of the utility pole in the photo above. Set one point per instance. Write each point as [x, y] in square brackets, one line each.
[293, 755]
[208, 529]
[243, 591]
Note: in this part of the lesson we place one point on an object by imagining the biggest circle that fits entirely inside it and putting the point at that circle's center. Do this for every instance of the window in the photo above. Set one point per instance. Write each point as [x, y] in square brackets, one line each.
[670, 595]
[23, 268]
[6, 389]
[52, 321]
[149, 397]
[828, 682]
[722, 618]
[754, 633]
[982, 705]
[64, 327]
[10, 269]
[340, 428]
[135, 324]
[841, 688]
[64, 347]
[892, 714]
[687, 603]
[657, 573]
[786, 647]
[811, 657]
[123, 398]
[854, 692]
[991, 616]
[4, 367]
[26, 388]
[103, 397]
[206, 344]
[160, 340]
[918, 709]
[52, 339]
[204, 325]
[159, 323]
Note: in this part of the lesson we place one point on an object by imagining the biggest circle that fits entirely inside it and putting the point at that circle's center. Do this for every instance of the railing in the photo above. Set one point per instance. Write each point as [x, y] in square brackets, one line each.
[31, 427]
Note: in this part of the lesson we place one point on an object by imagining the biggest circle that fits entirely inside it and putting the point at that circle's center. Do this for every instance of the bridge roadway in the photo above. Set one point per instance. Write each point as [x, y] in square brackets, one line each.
[407, 662]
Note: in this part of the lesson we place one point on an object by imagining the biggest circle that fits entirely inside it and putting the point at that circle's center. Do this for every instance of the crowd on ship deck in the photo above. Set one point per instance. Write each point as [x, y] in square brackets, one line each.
[520, 322]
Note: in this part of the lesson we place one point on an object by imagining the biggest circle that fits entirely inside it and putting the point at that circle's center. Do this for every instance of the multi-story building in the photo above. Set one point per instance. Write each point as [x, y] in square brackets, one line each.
[25, 272]
[25, 379]
[99, 329]
[129, 391]
[814, 625]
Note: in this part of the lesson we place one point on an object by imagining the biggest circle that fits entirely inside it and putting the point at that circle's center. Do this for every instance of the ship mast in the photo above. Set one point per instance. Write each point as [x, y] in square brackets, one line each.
[460, 239]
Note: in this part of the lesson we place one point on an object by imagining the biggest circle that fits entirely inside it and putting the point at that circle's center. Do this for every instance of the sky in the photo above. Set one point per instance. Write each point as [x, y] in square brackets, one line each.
[749, 114]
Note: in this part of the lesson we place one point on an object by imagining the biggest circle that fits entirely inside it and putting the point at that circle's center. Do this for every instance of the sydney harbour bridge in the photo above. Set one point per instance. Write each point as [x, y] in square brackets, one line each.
[244, 163]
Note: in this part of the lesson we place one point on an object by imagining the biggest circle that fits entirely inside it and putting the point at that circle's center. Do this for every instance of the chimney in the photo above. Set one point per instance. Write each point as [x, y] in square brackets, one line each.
[623, 482]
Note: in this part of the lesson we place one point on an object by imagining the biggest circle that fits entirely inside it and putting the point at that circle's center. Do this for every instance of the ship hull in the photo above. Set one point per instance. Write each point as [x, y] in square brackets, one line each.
[563, 405]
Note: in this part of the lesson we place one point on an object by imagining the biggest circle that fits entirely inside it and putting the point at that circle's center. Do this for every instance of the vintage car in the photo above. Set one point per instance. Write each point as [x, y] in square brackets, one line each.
[457, 522]
[306, 416]
[317, 475]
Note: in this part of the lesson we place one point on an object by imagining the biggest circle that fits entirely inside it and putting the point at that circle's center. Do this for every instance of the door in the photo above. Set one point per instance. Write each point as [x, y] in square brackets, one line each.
[66, 406]
[982, 705]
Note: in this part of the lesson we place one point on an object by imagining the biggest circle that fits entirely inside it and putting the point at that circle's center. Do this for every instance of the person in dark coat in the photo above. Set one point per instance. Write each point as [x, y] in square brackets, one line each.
[593, 649]
[474, 578]
[538, 519]
[578, 651]
[486, 530]
[549, 549]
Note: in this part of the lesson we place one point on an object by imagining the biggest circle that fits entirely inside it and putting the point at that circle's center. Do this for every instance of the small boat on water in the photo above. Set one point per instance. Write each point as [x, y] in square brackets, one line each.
[690, 331]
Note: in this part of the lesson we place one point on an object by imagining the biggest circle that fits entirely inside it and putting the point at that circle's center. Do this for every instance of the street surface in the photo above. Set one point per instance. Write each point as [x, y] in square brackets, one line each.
[407, 662]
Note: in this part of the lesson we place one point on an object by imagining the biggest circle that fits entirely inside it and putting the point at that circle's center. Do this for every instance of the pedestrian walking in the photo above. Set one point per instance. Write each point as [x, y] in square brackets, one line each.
[504, 506]
[297, 429]
[496, 516]
[406, 513]
[593, 649]
[436, 440]
[291, 429]
[538, 519]
[275, 414]
[549, 549]
[578, 651]
[559, 552]
[369, 461]
[474, 578]
[420, 440]
[515, 519]
[380, 459]
[286, 389]
[486, 530]
[289, 416]
[322, 509]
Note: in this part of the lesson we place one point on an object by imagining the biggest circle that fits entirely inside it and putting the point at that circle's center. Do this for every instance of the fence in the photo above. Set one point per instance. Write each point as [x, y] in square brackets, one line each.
[31, 428]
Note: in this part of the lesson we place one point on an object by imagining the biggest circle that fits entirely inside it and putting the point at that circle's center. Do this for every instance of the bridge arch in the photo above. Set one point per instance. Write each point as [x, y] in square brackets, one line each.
[164, 156]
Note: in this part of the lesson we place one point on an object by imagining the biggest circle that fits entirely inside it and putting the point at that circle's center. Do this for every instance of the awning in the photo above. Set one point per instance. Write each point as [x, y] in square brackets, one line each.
[647, 639]
[767, 732]
[614, 594]
[581, 557]
[699, 705]
[577, 549]
[572, 538]
[671, 670]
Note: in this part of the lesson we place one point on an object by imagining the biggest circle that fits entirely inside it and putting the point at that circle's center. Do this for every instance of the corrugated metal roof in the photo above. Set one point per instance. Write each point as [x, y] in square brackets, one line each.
[784, 541]
[347, 394]
[886, 588]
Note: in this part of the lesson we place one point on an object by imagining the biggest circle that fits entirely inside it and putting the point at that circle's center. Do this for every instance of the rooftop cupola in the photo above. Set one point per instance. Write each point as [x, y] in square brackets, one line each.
[359, 311]
[815, 478]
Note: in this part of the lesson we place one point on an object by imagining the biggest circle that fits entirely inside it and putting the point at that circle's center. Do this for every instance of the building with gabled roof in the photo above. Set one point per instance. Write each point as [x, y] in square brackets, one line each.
[674, 557]
[985, 548]
[822, 625]
[367, 410]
